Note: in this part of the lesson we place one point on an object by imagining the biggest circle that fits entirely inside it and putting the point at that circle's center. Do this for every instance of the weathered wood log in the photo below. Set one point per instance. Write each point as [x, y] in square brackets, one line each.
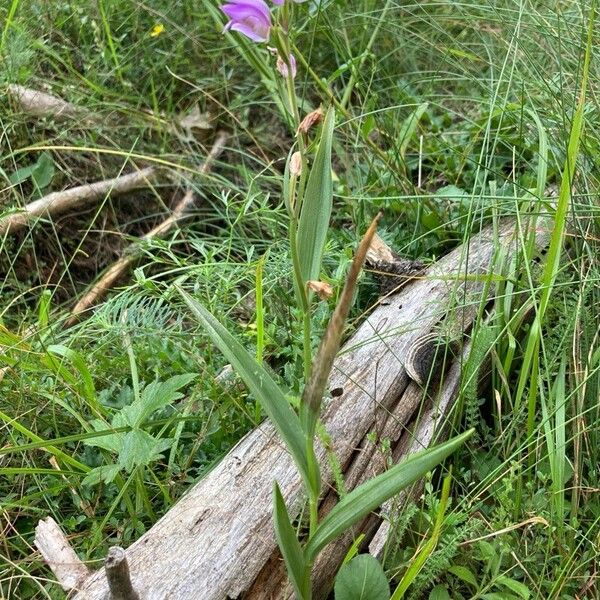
[218, 541]
[59, 556]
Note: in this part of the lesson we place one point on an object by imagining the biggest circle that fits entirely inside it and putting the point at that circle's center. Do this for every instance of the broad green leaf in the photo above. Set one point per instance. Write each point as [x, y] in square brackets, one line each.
[498, 596]
[439, 592]
[289, 545]
[260, 383]
[514, 586]
[409, 126]
[43, 171]
[112, 442]
[362, 579]
[21, 175]
[156, 395]
[316, 206]
[372, 494]
[140, 448]
[464, 574]
[106, 473]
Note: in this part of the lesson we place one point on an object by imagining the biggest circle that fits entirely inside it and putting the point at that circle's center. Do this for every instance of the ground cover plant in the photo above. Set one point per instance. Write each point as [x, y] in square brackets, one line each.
[448, 116]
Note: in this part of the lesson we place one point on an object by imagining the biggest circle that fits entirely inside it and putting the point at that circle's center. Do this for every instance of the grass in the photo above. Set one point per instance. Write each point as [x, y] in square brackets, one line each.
[451, 115]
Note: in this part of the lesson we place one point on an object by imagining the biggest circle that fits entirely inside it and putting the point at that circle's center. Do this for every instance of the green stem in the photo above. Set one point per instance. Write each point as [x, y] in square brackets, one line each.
[296, 204]
[302, 299]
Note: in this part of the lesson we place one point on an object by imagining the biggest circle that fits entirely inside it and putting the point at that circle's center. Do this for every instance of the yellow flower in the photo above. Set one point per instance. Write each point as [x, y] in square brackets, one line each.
[157, 30]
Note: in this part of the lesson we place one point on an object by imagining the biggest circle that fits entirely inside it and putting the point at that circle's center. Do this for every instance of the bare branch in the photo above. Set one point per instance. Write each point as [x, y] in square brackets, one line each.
[59, 556]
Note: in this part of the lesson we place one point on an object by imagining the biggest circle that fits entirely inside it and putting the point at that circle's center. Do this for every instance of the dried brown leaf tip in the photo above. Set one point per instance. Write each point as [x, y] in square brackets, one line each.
[321, 288]
[310, 120]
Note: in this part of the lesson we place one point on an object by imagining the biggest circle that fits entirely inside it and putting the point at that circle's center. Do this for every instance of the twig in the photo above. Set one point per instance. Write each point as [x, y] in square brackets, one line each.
[58, 554]
[117, 575]
[40, 104]
[60, 202]
[133, 252]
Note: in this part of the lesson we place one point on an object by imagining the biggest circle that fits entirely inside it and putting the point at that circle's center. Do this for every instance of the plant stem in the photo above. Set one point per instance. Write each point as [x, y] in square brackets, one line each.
[296, 204]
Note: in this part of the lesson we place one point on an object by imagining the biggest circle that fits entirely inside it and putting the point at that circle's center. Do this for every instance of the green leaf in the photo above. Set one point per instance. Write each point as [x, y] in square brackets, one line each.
[106, 473]
[43, 171]
[289, 545]
[76, 359]
[362, 579]
[156, 395]
[21, 175]
[514, 586]
[112, 442]
[464, 574]
[409, 126]
[439, 592]
[260, 383]
[372, 494]
[140, 448]
[315, 212]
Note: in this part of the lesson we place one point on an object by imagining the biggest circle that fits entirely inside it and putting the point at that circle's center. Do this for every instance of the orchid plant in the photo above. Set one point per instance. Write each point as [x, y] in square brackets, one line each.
[308, 196]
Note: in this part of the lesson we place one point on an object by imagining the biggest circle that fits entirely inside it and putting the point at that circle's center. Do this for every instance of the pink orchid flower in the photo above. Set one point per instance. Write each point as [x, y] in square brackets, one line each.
[250, 17]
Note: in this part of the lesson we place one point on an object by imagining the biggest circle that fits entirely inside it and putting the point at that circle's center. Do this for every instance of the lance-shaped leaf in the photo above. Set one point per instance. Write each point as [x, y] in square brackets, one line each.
[316, 206]
[289, 545]
[259, 382]
[375, 492]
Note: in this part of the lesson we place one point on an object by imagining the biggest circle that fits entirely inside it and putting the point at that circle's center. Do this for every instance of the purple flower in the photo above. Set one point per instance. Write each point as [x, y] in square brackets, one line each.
[250, 17]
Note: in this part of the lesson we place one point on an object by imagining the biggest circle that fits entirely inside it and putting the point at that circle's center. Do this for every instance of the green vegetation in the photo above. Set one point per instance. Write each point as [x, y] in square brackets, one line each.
[449, 116]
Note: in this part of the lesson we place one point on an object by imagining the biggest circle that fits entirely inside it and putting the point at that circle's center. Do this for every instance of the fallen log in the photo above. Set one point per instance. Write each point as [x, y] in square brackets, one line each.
[218, 542]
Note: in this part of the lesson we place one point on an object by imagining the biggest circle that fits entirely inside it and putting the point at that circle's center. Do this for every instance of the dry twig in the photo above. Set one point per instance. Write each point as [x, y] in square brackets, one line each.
[133, 252]
[40, 104]
[58, 203]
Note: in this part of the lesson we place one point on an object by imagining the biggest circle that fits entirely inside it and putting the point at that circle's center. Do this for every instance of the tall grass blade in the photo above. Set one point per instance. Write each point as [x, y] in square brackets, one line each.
[558, 233]
[419, 561]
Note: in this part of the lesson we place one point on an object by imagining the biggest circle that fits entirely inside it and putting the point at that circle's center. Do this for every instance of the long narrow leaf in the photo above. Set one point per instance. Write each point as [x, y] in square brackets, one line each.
[375, 492]
[552, 265]
[289, 544]
[258, 380]
[316, 206]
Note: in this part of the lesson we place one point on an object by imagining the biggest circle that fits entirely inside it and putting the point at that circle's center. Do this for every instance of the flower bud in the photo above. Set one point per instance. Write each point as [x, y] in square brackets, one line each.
[296, 164]
[310, 120]
[283, 68]
[321, 288]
